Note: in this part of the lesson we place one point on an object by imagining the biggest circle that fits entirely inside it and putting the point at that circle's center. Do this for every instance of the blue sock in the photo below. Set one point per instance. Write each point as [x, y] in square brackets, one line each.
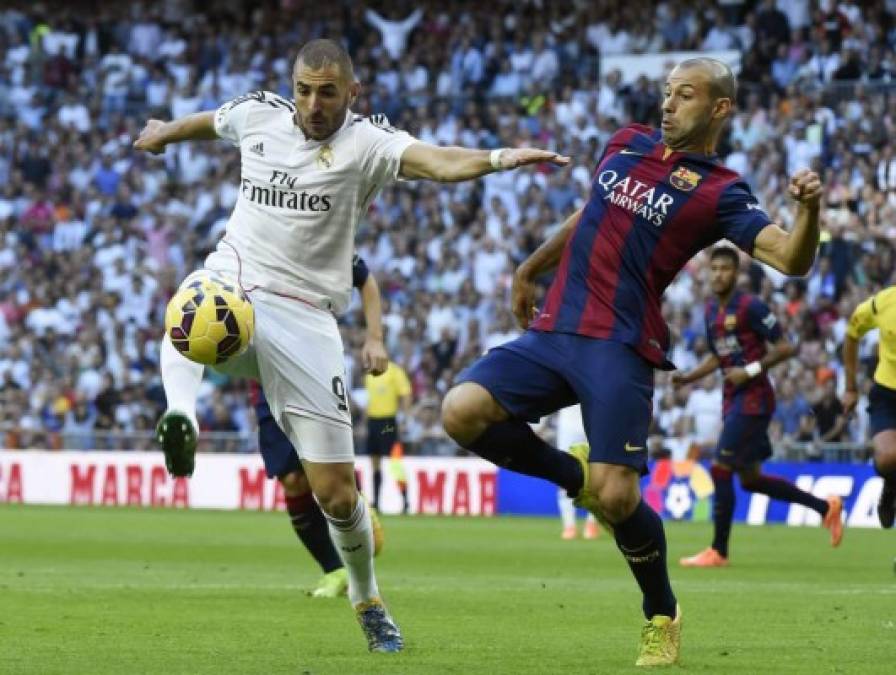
[783, 490]
[311, 527]
[513, 445]
[722, 508]
[642, 540]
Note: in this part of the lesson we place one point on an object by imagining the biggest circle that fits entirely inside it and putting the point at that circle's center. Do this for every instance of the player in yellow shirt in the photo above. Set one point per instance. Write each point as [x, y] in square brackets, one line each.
[386, 395]
[878, 311]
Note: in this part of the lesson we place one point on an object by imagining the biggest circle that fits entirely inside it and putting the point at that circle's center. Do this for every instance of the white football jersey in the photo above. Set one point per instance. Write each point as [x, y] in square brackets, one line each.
[293, 227]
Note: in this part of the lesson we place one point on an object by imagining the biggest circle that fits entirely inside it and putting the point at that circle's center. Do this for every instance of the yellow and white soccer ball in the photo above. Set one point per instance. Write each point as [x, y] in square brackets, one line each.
[210, 319]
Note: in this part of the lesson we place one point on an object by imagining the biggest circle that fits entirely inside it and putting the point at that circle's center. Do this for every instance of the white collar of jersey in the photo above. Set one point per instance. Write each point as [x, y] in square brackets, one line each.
[349, 116]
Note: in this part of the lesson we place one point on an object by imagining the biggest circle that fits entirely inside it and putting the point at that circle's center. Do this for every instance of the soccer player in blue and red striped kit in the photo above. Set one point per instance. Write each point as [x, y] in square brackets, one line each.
[738, 327]
[657, 198]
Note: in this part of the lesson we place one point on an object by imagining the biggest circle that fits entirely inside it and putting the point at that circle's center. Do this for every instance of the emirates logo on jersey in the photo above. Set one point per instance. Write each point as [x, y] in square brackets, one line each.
[284, 197]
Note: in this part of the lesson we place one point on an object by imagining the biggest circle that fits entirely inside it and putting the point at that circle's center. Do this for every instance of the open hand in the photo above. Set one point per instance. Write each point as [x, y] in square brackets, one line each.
[151, 138]
[511, 158]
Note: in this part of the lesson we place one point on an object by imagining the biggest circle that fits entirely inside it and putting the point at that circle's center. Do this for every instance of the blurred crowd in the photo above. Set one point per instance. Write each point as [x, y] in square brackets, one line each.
[94, 236]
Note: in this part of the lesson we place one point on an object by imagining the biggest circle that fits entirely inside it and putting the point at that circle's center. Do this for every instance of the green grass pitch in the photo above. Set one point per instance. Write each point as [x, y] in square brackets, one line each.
[91, 590]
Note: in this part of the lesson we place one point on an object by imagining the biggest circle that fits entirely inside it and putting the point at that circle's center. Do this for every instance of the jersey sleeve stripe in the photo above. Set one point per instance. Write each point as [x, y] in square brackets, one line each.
[284, 102]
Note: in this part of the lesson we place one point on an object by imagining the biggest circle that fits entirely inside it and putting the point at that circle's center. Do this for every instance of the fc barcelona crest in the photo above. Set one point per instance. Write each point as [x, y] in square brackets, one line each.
[684, 179]
[730, 321]
[325, 157]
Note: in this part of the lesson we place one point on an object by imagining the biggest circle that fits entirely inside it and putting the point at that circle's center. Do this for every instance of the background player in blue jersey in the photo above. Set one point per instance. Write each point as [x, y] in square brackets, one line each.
[738, 327]
[282, 461]
[657, 198]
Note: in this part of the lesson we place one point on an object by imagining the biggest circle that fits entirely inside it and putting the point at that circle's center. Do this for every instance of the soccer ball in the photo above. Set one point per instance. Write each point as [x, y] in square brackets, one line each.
[210, 319]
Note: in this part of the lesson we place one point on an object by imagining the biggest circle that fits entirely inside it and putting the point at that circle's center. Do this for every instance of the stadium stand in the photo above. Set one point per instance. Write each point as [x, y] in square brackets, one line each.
[95, 237]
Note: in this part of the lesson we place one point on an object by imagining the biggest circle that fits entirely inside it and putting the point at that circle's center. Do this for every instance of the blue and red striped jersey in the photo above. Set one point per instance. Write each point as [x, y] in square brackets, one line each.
[650, 211]
[737, 333]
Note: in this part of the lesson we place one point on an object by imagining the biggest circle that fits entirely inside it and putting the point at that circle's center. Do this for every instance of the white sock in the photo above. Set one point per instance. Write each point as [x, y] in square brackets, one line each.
[590, 518]
[567, 509]
[353, 539]
[181, 379]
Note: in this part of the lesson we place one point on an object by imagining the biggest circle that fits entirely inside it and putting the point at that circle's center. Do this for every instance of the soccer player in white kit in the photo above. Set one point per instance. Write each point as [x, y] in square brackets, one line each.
[571, 431]
[309, 171]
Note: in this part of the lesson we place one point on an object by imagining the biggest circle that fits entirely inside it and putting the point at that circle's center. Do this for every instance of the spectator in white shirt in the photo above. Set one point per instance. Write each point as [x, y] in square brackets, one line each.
[489, 263]
[704, 409]
[719, 37]
[507, 82]
[394, 33]
[73, 113]
[441, 315]
[800, 150]
[545, 64]
[737, 159]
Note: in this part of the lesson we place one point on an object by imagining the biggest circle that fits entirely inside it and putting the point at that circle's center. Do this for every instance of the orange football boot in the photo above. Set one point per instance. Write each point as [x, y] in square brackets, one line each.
[708, 557]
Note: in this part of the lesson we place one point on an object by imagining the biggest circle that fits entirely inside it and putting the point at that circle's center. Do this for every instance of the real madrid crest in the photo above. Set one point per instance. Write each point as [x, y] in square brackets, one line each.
[684, 179]
[730, 321]
[324, 158]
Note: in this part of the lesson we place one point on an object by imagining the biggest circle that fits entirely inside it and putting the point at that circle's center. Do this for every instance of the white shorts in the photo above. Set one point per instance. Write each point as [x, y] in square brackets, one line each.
[570, 428]
[296, 354]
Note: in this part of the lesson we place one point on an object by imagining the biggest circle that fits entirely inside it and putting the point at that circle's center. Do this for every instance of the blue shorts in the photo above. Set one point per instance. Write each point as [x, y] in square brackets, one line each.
[881, 408]
[744, 441]
[280, 458]
[540, 373]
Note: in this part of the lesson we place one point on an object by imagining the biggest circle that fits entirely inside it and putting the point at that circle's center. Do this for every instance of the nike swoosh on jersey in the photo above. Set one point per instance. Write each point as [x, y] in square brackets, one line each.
[633, 448]
[626, 151]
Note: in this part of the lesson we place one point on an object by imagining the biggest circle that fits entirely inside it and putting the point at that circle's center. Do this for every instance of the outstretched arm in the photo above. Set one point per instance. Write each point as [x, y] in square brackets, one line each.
[545, 259]
[157, 134]
[452, 164]
[794, 252]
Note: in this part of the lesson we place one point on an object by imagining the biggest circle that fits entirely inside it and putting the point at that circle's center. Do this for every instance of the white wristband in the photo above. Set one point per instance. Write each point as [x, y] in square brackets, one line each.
[495, 158]
[753, 368]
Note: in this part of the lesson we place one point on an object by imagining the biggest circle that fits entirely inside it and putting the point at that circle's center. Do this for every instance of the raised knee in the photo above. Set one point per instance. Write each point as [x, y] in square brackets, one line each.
[460, 414]
[617, 491]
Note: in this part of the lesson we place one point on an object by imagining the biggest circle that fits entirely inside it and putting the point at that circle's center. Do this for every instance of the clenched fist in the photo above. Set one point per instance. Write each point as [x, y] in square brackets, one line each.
[805, 187]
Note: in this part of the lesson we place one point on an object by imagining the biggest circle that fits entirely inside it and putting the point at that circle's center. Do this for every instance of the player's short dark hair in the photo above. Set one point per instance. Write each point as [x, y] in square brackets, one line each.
[320, 53]
[722, 83]
[726, 252]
